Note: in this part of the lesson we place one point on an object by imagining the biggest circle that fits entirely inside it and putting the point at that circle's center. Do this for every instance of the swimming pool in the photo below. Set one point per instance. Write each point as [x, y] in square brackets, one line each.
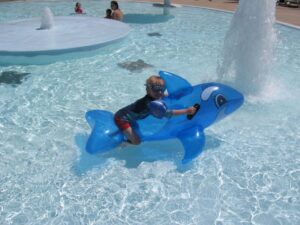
[248, 173]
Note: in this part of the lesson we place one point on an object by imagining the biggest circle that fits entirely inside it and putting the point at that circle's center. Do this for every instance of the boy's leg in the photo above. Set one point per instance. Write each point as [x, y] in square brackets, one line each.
[132, 136]
[126, 128]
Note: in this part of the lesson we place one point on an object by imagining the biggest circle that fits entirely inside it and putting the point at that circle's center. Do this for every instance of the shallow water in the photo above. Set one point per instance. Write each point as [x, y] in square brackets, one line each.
[248, 173]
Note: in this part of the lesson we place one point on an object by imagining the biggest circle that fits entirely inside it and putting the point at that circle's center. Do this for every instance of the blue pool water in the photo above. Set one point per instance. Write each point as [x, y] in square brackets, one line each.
[249, 172]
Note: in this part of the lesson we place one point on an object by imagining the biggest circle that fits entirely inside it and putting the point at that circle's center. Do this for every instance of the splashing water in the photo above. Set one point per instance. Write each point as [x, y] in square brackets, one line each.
[47, 21]
[248, 47]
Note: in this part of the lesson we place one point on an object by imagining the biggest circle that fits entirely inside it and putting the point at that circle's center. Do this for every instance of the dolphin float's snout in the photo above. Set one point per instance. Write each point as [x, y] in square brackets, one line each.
[234, 103]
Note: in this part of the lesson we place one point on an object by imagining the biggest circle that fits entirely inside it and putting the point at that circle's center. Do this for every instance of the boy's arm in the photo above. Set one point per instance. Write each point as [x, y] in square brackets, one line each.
[159, 110]
[189, 111]
[176, 112]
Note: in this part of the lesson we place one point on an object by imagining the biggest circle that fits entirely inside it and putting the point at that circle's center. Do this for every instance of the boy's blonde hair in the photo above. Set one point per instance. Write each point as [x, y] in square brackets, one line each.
[154, 79]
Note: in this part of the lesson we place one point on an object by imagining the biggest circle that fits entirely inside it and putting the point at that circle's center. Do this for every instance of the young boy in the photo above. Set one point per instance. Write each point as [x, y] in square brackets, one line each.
[155, 87]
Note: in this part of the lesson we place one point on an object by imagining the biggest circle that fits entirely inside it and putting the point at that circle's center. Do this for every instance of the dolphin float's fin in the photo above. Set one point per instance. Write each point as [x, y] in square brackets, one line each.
[176, 85]
[193, 140]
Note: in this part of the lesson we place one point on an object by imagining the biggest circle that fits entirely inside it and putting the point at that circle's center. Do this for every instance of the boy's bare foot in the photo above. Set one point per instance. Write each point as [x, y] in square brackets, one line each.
[125, 144]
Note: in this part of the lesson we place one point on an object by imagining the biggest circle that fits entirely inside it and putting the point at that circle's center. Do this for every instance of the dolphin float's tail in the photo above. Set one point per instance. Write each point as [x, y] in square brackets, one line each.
[105, 134]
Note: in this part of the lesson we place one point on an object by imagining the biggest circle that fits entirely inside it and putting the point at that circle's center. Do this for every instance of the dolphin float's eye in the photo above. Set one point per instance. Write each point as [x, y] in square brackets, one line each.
[220, 100]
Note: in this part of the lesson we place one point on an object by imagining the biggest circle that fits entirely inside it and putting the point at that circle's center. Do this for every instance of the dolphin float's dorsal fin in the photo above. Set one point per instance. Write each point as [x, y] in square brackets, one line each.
[193, 140]
[176, 85]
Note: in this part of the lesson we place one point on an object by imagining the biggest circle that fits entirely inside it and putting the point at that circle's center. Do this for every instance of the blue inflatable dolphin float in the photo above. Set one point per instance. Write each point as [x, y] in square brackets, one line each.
[216, 100]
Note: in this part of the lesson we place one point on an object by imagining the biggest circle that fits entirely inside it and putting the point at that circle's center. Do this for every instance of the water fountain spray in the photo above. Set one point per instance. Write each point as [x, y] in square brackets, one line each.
[248, 46]
[47, 21]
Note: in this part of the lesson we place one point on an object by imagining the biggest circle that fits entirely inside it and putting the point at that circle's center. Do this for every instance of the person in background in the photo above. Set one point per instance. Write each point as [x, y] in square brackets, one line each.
[125, 117]
[108, 14]
[117, 14]
[78, 8]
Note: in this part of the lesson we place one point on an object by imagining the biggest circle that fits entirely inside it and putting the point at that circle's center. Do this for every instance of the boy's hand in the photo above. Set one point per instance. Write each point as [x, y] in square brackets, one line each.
[191, 110]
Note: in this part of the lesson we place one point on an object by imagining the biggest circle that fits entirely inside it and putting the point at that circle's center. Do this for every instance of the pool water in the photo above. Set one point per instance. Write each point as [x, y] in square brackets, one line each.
[249, 172]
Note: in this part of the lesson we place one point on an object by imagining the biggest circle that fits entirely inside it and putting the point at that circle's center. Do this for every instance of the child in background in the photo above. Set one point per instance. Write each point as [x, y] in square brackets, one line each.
[155, 88]
[78, 8]
[108, 14]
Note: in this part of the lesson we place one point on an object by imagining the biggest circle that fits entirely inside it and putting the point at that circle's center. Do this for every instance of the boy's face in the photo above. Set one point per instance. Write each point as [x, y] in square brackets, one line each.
[156, 90]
